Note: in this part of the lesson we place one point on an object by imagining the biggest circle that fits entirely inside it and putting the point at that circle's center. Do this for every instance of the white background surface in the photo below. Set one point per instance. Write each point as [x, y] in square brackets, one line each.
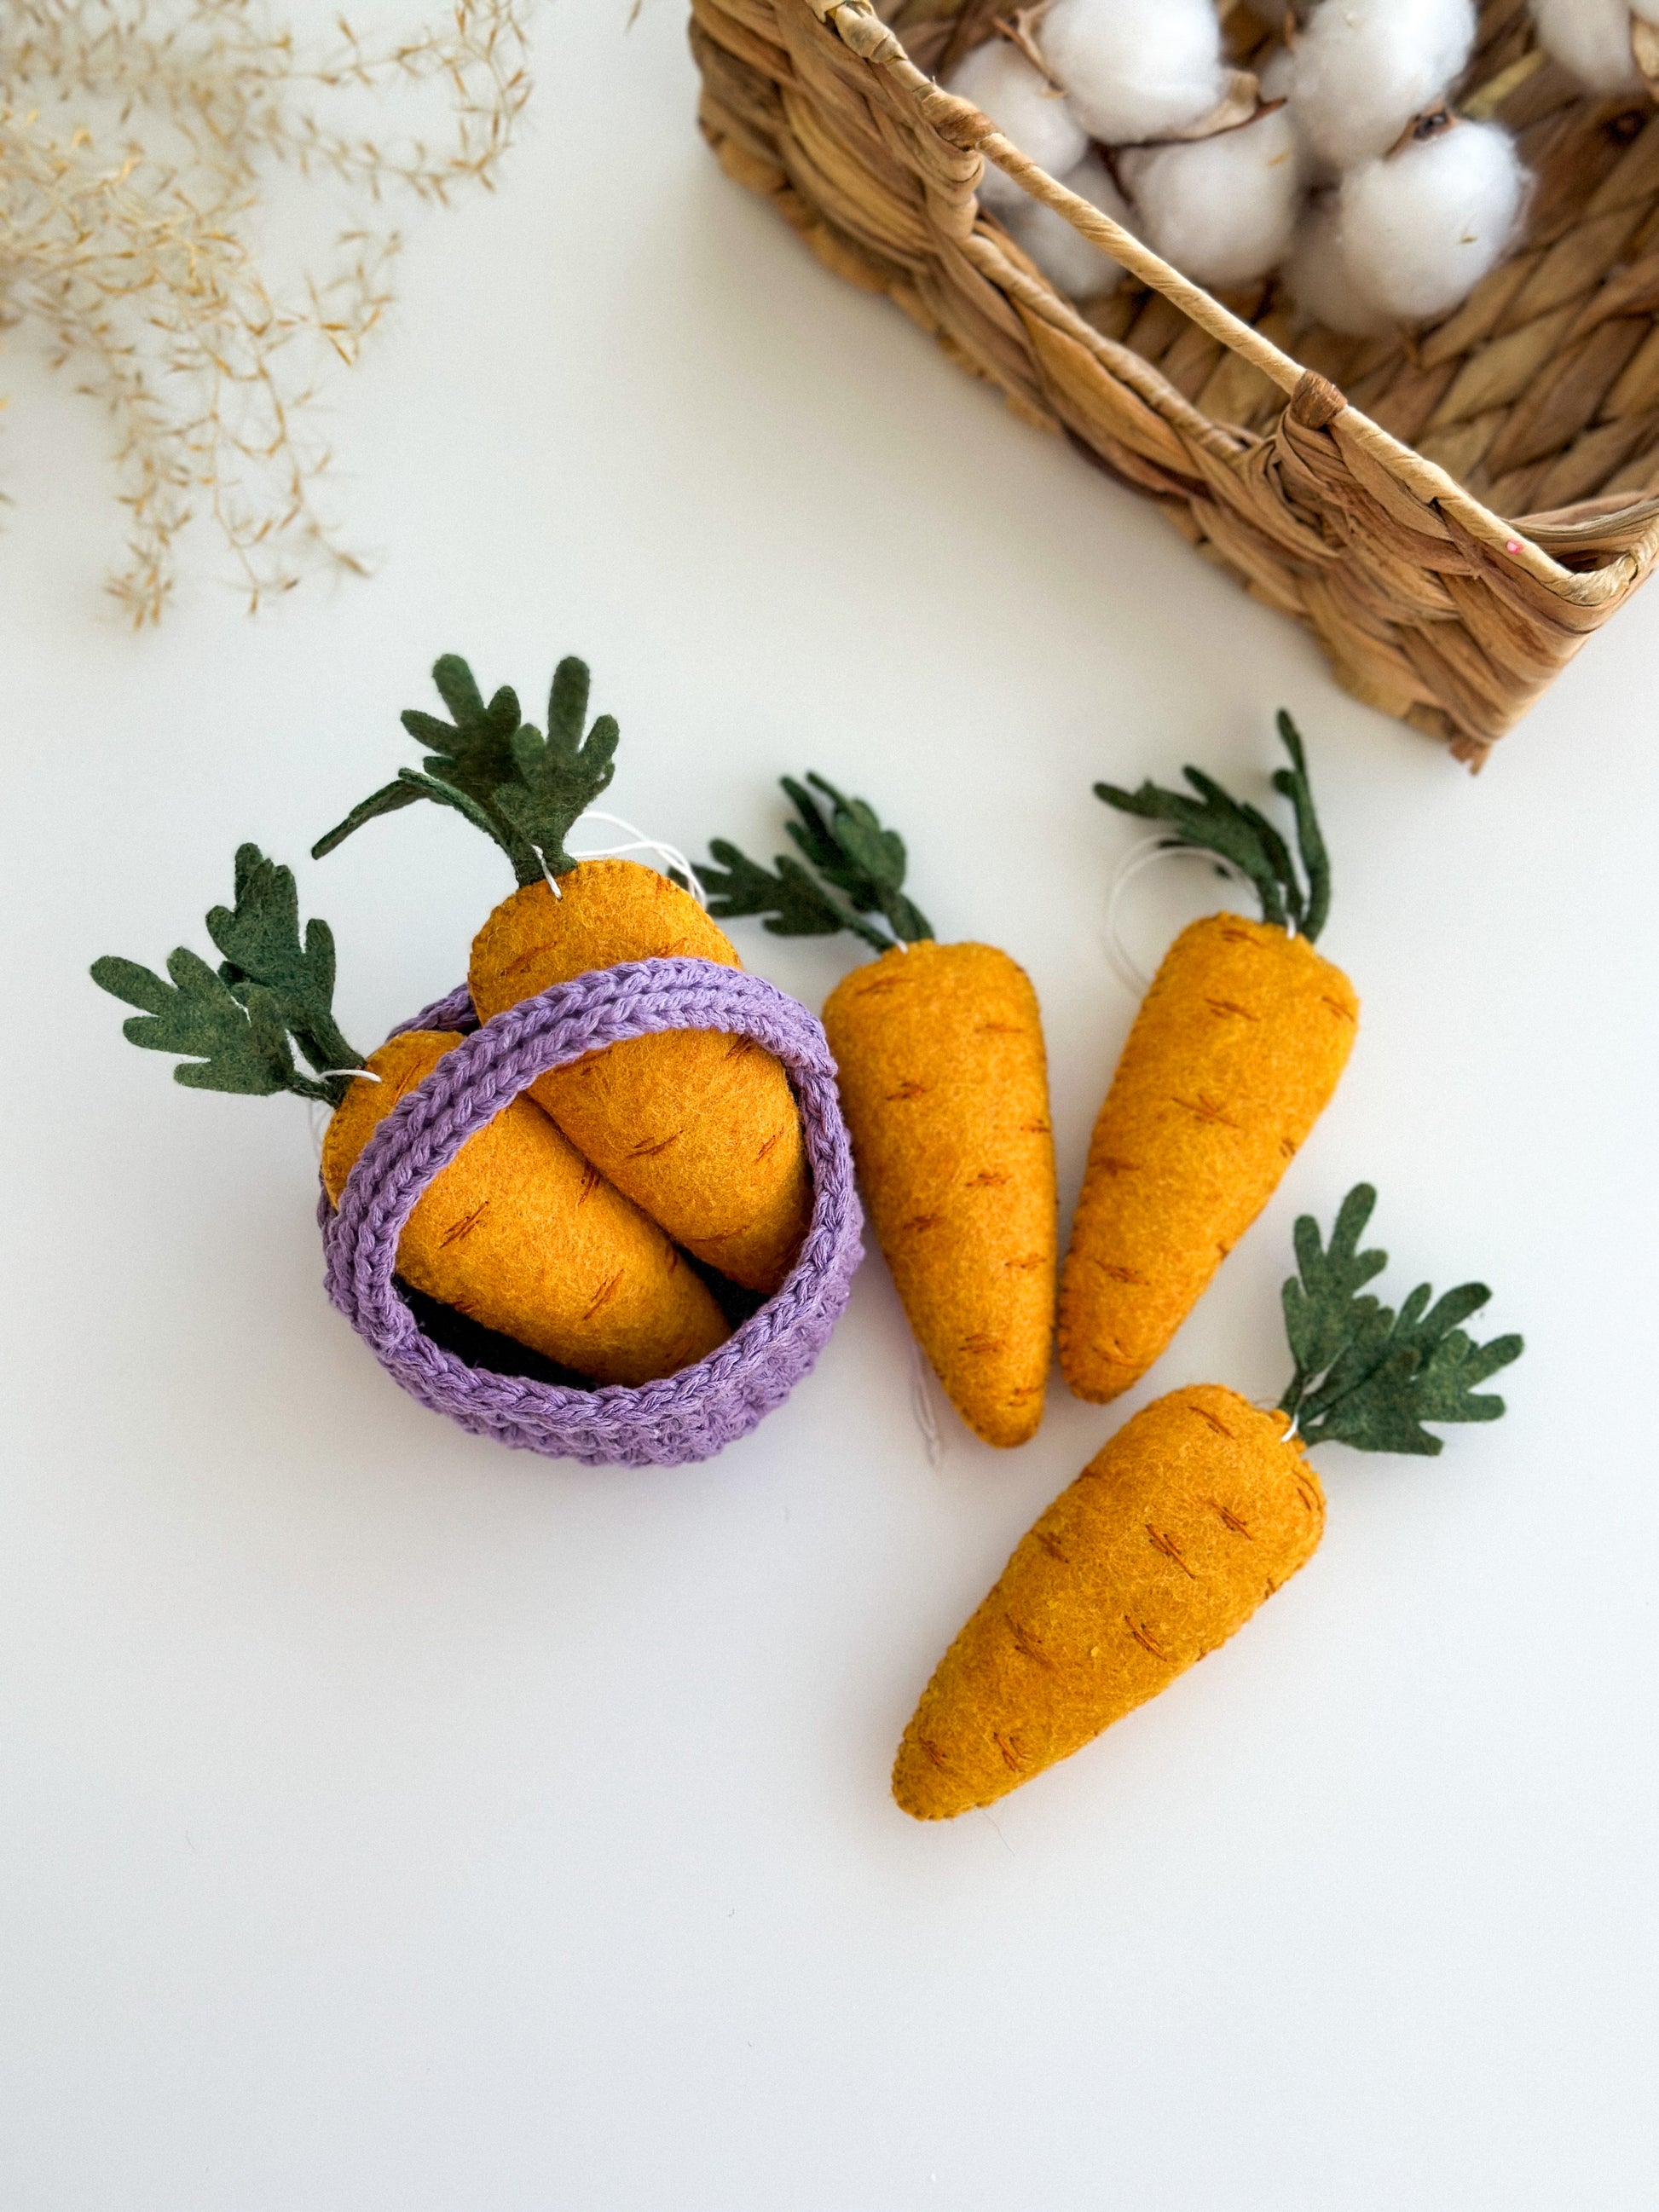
[388, 1821]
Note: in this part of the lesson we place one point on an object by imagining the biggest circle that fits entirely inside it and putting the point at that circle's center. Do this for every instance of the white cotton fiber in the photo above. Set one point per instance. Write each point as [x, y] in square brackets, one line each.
[1135, 68]
[1025, 107]
[1364, 68]
[1067, 259]
[1417, 232]
[1590, 38]
[1221, 209]
[1319, 278]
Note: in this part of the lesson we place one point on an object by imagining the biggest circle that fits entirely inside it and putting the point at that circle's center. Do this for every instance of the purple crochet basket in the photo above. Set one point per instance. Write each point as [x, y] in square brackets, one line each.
[685, 1417]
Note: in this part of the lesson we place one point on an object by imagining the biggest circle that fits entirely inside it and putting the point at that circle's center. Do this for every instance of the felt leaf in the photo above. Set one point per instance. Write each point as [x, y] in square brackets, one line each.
[226, 1046]
[1292, 783]
[794, 905]
[471, 754]
[1215, 822]
[232, 1024]
[1366, 1376]
[388, 800]
[557, 777]
[849, 848]
[259, 937]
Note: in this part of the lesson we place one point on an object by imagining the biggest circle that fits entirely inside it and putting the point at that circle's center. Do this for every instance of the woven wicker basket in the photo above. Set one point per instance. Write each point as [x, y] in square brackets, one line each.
[1447, 584]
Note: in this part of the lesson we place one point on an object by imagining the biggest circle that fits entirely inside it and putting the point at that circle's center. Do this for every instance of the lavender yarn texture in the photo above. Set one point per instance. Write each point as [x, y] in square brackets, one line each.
[684, 1416]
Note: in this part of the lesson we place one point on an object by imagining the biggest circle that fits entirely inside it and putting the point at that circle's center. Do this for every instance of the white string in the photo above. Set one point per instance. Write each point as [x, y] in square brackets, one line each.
[641, 843]
[320, 1113]
[921, 1405]
[1135, 863]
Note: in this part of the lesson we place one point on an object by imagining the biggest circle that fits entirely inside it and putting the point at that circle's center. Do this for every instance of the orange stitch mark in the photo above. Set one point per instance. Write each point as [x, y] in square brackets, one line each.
[907, 1090]
[1053, 1547]
[1170, 1549]
[651, 1152]
[606, 1293]
[1001, 1029]
[1027, 1644]
[923, 1222]
[591, 1181]
[462, 1306]
[465, 1226]
[1109, 1166]
[1205, 1110]
[1232, 1006]
[1013, 1757]
[931, 1750]
[1025, 1264]
[772, 1142]
[1035, 1129]
[740, 1048]
[983, 1347]
[1205, 1415]
[1287, 1146]
[1236, 937]
[989, 1179]
[1222, 1250]
[1229, 1520]
[1307, 1493]
[1336, 1006]
[1117, 1274]
[1144, 1637]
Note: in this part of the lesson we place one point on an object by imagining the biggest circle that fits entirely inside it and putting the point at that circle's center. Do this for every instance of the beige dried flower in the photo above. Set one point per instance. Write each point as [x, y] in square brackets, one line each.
[136, 140]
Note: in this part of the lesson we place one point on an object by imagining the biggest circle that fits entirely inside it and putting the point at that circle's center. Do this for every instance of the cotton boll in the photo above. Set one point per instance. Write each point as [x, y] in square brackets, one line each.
[1320, 280]
[1590, 38]
[1364, 68]
[1025, 107]
[1221, 209]
[1065, 257]
[1135, 68]
[1420, 230]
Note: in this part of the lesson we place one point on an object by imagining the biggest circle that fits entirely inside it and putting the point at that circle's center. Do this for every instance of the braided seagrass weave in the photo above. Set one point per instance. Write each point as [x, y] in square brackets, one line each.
[688, 1416]
[1449, 584]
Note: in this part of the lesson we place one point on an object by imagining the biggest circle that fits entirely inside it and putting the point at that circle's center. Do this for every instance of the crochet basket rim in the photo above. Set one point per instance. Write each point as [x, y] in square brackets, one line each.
[681, 1418]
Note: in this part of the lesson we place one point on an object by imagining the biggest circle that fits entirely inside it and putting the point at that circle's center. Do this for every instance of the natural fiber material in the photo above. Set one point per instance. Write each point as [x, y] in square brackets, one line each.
[1235, 1054]
[688, 1416]
[700, 1130]
[944, 1082]
[1163, 1546]
[1537, 399]
[525, 1237]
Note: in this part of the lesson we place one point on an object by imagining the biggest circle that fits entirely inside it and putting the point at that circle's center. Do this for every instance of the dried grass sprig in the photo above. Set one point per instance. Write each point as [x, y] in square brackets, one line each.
[135, 140]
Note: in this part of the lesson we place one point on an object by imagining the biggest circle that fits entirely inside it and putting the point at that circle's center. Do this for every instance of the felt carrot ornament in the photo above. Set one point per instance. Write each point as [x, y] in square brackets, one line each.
[698, 1128]
[939, 1054]
[519, 1232]
[1197, 1510]
[1235, 1054]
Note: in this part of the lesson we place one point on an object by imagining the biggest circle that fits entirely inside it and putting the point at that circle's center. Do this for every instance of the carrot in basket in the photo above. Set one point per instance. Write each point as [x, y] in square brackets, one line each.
[1199, 1508]
[1234, 1056]
[697, 1127]
[943, 1078]
[519, 1232]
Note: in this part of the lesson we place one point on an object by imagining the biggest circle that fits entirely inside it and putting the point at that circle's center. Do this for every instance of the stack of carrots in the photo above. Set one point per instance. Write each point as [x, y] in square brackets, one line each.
[616, 1219]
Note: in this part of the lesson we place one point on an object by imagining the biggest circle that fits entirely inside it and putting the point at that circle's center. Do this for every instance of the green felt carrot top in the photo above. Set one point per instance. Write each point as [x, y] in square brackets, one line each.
[850, 854]
[1217, 823]
[523, 790]
[236, 1025]
[1366, 1376]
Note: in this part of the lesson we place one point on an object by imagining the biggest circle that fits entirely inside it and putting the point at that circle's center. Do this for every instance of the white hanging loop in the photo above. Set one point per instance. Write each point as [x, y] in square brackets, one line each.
[1135, 862]
[640, 843]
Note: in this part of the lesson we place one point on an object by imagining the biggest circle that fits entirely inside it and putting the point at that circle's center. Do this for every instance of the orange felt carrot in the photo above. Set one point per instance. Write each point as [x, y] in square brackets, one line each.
[1197, 1510]
[698, 1128]
[943, 1081]
[1233, 1057]
[519, 1232]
